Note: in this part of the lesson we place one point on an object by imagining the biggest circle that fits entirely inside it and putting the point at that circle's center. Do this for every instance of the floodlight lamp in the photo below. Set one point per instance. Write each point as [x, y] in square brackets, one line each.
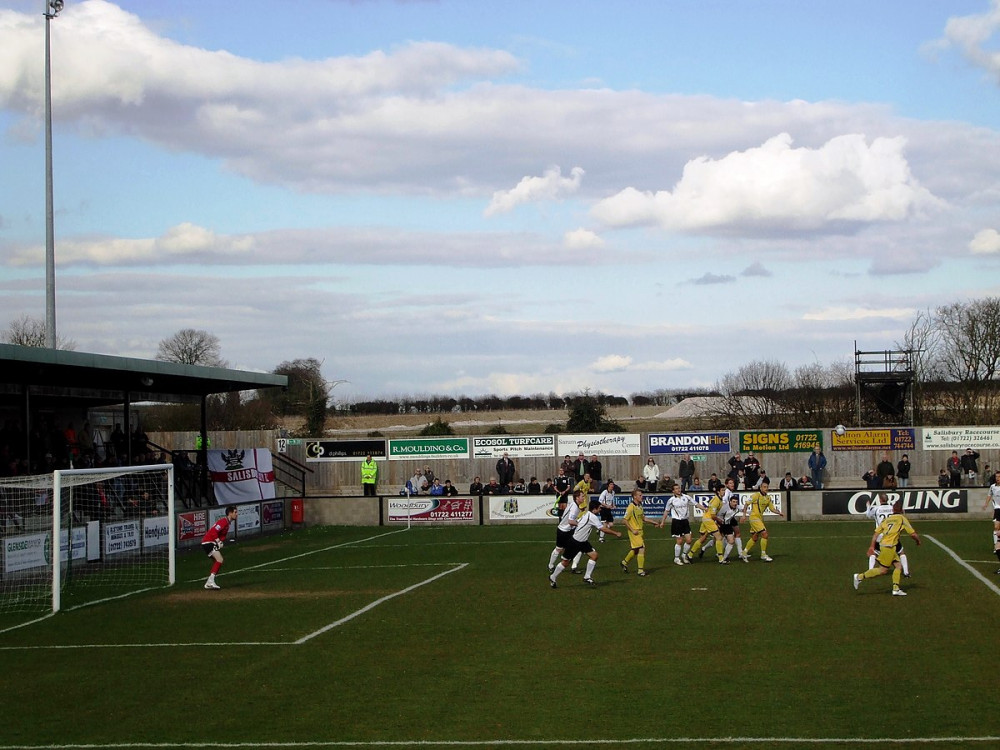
[55, 6]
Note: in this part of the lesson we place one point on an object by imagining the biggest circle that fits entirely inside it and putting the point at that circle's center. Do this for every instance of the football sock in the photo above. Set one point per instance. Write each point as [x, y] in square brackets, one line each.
[629, 556]
[601, 536]
[729, 549]
[739, 546]
[871, 573]
[718, 548]
[576, 560]
[555, 573]
[687, 548]
[216, 567]
[871, 561]
[642, 560]
[677, 551]
[591, 564]
[897, 574]
[746, 550]
[695, 547]
[554, 557]
[763, 545]
[906, 564]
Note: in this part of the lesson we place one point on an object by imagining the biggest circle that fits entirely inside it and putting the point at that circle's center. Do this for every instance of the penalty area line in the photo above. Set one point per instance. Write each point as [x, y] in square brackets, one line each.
[376, 603]
[989, 584]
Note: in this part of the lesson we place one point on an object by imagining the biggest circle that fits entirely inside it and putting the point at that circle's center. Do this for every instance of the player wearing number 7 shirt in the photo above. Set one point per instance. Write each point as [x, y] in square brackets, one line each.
[213, 540]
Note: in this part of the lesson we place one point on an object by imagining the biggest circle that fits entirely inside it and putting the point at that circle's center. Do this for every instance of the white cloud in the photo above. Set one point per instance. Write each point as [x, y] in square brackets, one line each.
[843, 313]
[775, 186]
[582, 238]
[550, 186]
[986, 242]
[712, 278]
[973, 35]
[611, 363]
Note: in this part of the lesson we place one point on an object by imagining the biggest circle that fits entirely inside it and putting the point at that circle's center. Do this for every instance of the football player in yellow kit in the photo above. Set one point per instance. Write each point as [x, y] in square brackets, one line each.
[710, 526]
[634, 520]
[888, 559]
[760, 503]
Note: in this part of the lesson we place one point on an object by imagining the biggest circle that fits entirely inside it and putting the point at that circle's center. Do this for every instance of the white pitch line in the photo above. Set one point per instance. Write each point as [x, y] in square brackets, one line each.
[77, 646]
[989, 584]
[515, 743]
[376, 603]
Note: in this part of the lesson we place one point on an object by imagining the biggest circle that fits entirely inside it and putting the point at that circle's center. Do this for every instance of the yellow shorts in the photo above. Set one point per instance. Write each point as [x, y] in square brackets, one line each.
[635, 540]
[708, 526]
[757, 526]
[887, 556]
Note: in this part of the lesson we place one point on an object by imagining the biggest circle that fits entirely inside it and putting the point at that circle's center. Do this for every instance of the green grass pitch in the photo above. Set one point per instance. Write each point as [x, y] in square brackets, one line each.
[451, 637]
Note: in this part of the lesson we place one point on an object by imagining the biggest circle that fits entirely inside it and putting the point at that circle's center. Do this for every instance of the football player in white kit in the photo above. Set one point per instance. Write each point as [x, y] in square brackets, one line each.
[678, 507]
[587, 521]
[878, 510]
[564, 531]
[993, 496]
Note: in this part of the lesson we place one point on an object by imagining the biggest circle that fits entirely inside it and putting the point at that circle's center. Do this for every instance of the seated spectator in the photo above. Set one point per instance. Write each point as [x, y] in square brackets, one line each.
[714, 482]
[889, 482]
[640, 484]
[419, 483]
[548, 488]
[534, 488]
[788, 482]
[450, 490]
[476, 488]
[696, 485]
[493, 488]
[436, 488]
[429, 476]
[519, 488]
[805, 483]
[944, 478]
[666, 484]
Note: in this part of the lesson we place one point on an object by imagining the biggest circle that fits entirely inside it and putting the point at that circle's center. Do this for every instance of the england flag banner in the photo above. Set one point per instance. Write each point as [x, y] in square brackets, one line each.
[240, 476]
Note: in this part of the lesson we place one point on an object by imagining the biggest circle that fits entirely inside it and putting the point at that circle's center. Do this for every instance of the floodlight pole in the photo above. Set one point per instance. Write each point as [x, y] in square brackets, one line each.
[52, 8]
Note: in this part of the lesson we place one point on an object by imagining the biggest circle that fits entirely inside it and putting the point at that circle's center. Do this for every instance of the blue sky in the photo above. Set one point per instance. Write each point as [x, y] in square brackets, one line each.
[515, 197]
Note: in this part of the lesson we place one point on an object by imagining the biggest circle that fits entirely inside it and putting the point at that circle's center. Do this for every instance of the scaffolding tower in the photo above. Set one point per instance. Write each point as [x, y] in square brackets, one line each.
[884, 381]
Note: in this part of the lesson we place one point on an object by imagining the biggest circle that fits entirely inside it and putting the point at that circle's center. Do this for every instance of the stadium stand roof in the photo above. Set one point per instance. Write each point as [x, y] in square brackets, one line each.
[53, 378]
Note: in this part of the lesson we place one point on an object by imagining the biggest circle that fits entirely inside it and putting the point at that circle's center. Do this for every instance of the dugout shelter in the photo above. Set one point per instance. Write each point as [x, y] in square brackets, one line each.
[38, 383]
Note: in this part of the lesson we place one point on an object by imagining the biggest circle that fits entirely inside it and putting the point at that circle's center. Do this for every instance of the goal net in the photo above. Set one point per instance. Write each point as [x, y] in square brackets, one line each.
[80, 536]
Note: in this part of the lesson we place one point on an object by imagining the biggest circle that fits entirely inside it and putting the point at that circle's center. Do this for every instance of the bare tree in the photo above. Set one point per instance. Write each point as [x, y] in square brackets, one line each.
[28, 331]
[753, 396]
[191, 347]
[968, 353]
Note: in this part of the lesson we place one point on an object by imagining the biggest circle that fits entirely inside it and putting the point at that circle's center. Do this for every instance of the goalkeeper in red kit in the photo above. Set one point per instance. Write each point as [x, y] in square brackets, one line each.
[213, 540]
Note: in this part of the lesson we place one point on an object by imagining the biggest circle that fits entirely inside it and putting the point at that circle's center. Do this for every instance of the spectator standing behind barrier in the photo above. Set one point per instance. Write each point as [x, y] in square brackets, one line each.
[735, 464]
[903, 471]
[889, 482]
[751, 470]
[580, 467]
[954, 467]
[450, 490]
[685, 471]
[870, 479]
[651, 475]
[970, 466]
[817, 462]
[369, 476]
[944, 479]
[505, 470]
[884, 469]
[594, 465]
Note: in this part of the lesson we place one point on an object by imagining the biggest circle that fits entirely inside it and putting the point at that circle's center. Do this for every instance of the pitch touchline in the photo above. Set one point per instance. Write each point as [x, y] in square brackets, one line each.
[505, 743]
[989, 584]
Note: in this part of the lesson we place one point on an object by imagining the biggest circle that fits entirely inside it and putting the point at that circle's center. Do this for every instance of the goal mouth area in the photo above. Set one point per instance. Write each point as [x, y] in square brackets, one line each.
[81, 536]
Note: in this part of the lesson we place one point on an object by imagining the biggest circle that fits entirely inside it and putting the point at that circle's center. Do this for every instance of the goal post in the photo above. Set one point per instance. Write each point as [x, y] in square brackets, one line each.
[80, 536]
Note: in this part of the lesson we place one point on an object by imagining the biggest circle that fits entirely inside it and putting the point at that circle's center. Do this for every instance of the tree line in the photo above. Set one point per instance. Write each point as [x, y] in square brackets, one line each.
[954, 351]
